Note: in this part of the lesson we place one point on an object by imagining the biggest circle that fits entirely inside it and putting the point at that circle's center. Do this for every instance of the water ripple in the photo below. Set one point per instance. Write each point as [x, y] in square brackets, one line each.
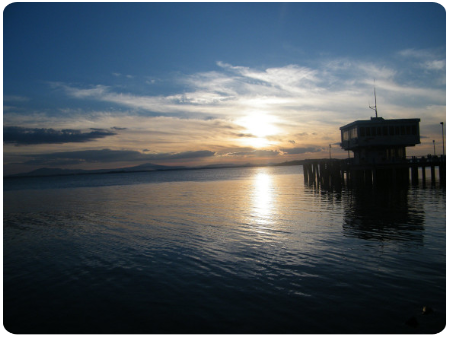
[261, 253]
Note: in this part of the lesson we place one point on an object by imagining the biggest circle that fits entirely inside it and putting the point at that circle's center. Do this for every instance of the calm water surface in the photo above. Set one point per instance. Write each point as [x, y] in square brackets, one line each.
[248, 250]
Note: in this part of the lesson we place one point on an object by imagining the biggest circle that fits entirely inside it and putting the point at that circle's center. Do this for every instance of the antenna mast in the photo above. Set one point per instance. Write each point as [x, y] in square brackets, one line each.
[375, 102]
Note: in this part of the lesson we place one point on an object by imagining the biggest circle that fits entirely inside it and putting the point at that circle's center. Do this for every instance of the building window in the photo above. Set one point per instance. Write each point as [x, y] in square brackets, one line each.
[409, 130]
[391, 130]
[362, 131]
[385, 131]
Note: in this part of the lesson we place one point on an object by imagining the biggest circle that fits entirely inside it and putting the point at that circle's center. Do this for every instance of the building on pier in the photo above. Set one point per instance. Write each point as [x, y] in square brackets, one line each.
[379, 147]
[379, 140]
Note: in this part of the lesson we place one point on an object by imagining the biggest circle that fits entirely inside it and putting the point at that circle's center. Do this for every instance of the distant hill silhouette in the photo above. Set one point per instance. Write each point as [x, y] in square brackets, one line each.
[47, 171]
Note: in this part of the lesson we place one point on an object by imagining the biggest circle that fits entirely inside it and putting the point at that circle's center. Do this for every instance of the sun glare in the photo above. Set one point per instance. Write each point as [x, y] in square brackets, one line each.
[257, 142]
[259, 125]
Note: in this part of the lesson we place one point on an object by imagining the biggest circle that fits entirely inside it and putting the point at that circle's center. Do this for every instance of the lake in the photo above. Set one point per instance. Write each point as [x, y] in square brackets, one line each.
[239, 250]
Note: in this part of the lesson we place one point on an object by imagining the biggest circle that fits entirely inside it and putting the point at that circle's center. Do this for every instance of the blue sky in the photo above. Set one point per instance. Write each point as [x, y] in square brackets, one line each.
[207, 83]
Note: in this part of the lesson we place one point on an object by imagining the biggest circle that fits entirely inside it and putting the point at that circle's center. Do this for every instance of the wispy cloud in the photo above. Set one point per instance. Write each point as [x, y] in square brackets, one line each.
[303, 99]
[339, 87]
[27, 136]
[302, 150]
[435, 65]
[429, 61]
[214, 114]
[179, 103]
[255, 153]
[14, 98]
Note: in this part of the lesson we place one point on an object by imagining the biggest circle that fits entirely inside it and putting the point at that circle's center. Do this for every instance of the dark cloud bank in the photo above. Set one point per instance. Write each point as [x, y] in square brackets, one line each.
[32, 136]
[301, 150]
[110, 156]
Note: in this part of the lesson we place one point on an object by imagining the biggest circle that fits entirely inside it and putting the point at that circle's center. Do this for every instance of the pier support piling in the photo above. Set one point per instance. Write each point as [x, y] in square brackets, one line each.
[334, 174]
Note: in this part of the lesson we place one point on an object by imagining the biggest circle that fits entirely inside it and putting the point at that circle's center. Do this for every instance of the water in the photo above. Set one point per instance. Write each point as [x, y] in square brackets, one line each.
[249, 250]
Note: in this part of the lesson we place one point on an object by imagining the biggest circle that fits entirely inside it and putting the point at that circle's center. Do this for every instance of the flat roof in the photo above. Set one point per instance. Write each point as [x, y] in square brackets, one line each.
[380, 120]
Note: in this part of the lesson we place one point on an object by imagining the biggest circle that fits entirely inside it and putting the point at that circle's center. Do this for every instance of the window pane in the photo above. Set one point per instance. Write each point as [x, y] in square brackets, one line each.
[391, 130]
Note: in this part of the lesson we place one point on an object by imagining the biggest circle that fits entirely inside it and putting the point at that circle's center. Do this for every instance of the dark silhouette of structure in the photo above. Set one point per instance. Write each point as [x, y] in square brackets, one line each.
[379, 156]
[380, 141]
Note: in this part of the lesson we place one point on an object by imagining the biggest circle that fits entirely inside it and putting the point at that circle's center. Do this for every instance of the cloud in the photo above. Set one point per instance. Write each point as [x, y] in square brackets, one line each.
[109, 156]
[181, 155]
[31, 136]
[302, 150]
[435, 64]
[255, 153]
[244, 135]
[96, 92]
[430, 64]
[14, 98]
[159, 104]
[204, 110]
[331, 92]
[86, 156]
[417, 53]
[289, 77]
[302, 101]
[432, 60]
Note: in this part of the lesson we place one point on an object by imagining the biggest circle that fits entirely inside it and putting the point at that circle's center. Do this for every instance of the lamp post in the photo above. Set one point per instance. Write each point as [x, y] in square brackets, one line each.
[434, 152]
[442, 134]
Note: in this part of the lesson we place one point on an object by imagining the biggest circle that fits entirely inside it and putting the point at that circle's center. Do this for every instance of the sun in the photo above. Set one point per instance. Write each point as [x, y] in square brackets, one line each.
[259, 126]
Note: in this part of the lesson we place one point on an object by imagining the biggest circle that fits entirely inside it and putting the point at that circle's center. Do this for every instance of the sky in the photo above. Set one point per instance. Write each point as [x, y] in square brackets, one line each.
[110, 85]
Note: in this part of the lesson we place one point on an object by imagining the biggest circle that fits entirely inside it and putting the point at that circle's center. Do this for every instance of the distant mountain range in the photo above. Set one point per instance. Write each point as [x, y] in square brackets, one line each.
[47, 171]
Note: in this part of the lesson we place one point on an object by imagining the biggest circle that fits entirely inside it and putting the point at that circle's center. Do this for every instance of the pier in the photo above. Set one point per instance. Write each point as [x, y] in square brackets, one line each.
[379, 149]
[336, 173]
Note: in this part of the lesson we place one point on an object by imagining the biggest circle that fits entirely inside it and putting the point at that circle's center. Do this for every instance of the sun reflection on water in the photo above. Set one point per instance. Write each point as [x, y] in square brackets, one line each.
[263, 198]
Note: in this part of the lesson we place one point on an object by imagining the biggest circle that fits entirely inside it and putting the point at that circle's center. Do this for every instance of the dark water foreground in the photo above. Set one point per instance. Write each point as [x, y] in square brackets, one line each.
[220, 251]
